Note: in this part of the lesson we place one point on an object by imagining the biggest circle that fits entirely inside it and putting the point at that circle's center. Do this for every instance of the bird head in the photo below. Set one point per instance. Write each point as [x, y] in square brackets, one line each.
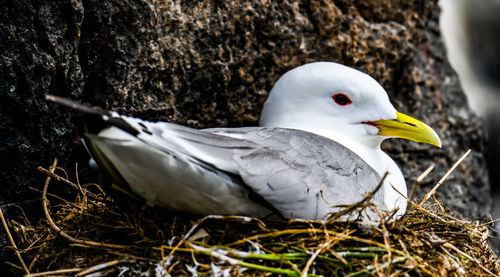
[340, 103]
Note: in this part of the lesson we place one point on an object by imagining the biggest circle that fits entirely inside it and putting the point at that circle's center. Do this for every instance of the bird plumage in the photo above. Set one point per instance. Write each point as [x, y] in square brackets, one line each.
[312, 153]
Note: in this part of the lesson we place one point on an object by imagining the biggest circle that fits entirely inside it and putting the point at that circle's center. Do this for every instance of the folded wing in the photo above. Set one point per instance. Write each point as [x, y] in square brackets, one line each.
[249, 171]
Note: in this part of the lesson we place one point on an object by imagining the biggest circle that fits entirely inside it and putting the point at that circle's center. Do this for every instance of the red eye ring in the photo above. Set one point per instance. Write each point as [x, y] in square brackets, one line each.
[341, 99]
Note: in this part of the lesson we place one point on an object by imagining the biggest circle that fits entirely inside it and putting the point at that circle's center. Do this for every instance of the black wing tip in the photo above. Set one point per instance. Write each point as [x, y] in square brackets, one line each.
[85, 108]
[60, 100]
[102, 114]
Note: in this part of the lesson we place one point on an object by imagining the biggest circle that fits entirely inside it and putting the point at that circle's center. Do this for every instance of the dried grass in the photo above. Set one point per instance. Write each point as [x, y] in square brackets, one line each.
[86, 233]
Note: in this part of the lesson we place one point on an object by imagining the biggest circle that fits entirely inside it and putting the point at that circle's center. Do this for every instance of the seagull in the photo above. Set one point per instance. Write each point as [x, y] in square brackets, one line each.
[317, 149]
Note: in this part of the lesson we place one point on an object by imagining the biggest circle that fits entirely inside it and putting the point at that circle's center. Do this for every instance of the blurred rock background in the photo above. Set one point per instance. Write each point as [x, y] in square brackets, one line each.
[471, 32]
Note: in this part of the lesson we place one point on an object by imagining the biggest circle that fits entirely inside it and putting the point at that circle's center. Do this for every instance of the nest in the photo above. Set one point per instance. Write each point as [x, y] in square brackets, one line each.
[85, 233]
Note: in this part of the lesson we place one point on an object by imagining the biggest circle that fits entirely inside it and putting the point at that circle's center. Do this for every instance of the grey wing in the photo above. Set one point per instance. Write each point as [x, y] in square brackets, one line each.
[302, 175]
[165, 176]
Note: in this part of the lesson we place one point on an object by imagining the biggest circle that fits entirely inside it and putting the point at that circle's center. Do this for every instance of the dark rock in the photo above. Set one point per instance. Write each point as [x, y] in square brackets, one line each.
[208, 64]
[39, 55]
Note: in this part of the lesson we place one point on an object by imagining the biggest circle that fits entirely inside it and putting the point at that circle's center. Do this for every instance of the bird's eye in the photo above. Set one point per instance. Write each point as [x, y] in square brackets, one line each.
[341, 99]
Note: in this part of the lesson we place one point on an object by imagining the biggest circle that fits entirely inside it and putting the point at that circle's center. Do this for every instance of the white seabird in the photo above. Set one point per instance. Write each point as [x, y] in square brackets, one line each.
[317, 147]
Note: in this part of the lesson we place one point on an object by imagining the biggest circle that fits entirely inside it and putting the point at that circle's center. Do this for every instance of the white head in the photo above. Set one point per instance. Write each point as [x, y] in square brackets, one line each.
[340, 103]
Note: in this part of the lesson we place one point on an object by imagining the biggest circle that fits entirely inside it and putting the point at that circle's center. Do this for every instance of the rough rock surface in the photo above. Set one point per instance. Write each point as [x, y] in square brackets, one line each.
[212, 63]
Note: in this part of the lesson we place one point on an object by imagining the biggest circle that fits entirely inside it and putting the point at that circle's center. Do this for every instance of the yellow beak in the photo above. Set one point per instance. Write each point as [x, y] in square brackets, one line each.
[408, 128]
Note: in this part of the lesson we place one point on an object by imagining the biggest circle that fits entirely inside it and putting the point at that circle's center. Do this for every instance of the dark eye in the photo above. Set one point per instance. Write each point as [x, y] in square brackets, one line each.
[341, 99]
